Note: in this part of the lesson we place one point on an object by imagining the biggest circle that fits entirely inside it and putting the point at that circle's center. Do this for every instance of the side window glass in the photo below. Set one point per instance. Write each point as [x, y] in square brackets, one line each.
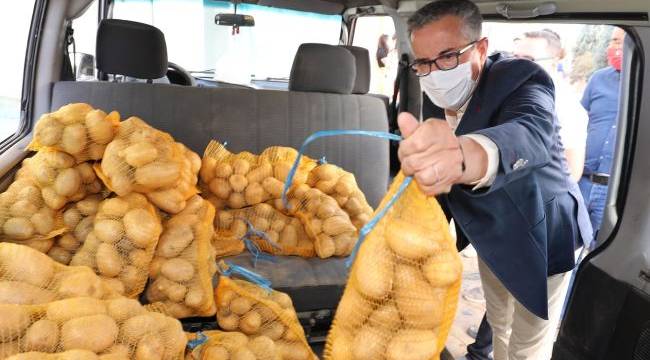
[85, 35]
[377, 34]
[15, 21]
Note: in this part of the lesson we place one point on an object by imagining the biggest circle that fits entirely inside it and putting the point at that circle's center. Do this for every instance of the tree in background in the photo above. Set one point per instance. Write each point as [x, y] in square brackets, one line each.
[589, 52]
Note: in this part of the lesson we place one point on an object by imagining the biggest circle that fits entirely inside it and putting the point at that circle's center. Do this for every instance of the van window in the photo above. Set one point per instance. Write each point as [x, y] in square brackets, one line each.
[85, 37]
[15, 21]
[377, 34]
[264, 51]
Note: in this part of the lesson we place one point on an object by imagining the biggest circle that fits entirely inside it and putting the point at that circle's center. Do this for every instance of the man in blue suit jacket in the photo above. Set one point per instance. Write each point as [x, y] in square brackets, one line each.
[496, 163]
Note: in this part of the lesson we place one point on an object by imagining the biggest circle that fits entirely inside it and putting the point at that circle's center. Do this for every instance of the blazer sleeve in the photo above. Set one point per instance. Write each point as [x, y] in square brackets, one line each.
[524, 134]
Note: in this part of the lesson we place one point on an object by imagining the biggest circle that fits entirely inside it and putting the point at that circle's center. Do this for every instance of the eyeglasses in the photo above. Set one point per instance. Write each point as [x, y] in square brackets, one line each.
[444, 62]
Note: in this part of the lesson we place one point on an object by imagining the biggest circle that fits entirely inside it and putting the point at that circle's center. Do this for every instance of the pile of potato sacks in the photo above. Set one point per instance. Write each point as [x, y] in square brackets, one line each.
[247, 188]
[108, 210]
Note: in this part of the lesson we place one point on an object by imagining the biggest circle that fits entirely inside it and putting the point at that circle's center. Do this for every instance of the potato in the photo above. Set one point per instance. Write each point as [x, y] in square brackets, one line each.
[220, 187]
[250, 323]
[314, 227]
[281, 170]
[240, 305]
[373, 274]
[336, 225]
[260, 173]
[171, 200]
[324, 246]
[260, 223]
[140, 258]
[178, 270]
[64, 310]
[141, 227]
[274, 330]
[195, 297]
[136, 327]
[223, 170]
[238, 228]
[411, 241]
[150, 347]
[353, 308]
[81, 283]
[48, 130]
[241, 166]
[173, 290]
[83, 229]
[116, 285]
[369, 343]
[289, 236]
[140, 154]
[88, 206]
[326, 186]
[60, 255]
[95, 333]
[326, 211]
[100, 129]
[42, 336]
[10, 348]
[109, 261]
[67, 182]
[52, 199]
[216, 353]
[26, 265]
[293, 351]
[273, 186]
[108, 230]
[228, 322]
[121, 309]
[114, 207]
[40, 245]
[174, 240]
[443, 269]
[116, 352]
[133, 278]
[236, 200]
[238, 182]
[282, 299]
[23, 208]
[224, 220]
[15, 292]
[254, 194]
[157, 174]
[326, 172]
[73, 139]
[18, 228]
[224, 298]
[420, 305]
[412, 345]
[341, 345]
[385, 317]
[15, 319]
[243, 354]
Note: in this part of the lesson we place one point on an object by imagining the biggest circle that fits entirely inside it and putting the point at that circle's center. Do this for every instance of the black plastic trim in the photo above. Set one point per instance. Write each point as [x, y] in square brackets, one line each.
[580, 16]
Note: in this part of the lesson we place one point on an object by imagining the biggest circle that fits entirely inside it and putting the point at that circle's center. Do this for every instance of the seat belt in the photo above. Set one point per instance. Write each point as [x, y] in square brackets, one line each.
[68, 69]
[400, 91]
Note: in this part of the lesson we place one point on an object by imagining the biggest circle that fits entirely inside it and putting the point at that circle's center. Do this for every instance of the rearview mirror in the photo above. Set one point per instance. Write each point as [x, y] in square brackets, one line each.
[235, 20]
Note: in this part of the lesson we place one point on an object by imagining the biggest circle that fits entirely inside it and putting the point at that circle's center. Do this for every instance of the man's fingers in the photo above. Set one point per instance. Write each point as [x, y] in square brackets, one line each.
[407, 124]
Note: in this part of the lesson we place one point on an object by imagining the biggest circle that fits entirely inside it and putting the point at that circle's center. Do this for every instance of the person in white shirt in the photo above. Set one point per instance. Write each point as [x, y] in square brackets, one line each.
[545, 48]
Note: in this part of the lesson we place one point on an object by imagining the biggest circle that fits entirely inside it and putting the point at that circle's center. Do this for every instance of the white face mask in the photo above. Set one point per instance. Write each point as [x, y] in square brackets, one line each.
[449, 89]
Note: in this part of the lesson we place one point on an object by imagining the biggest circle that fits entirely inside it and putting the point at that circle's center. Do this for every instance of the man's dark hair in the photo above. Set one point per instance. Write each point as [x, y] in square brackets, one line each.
[466, 10]
[552, 39]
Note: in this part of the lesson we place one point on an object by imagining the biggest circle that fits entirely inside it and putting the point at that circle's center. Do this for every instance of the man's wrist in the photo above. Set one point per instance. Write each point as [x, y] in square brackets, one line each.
[474, 159]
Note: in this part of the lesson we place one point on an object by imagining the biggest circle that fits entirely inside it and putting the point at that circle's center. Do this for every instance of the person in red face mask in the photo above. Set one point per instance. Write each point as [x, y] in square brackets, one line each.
[600, 99]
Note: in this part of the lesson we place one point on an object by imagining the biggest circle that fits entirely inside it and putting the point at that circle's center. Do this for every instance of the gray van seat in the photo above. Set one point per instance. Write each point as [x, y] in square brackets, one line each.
[255, 119]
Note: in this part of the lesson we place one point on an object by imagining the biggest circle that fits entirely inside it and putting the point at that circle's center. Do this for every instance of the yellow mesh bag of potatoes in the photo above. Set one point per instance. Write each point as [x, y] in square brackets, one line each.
[30, 277]
[269, 229]
[217, 345]
[402, 293]
[184, 263]
[244, 179]
[59, 178]
[257, 310]
[25, 218]
[78, 218]
[119, 328]
[122, 243]
[76, 129]
[342, 186]
[325, 222]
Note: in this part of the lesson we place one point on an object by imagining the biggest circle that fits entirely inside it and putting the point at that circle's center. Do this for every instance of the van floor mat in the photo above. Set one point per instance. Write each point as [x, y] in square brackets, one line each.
[313, 284]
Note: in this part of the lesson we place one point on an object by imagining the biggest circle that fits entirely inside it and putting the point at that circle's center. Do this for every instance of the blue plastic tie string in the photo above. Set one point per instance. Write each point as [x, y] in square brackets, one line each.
[249, 275]
[201, 338]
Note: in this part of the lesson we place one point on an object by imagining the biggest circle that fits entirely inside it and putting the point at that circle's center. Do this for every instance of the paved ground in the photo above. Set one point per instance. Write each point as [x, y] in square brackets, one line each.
[469, 312]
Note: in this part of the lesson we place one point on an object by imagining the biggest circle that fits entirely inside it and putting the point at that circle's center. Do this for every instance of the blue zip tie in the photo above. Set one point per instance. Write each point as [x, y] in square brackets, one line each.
[367, 228]
[328, 133]
[252, 231]
[257, 253]
[200, 340]
[251, 276]
[322, 160]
